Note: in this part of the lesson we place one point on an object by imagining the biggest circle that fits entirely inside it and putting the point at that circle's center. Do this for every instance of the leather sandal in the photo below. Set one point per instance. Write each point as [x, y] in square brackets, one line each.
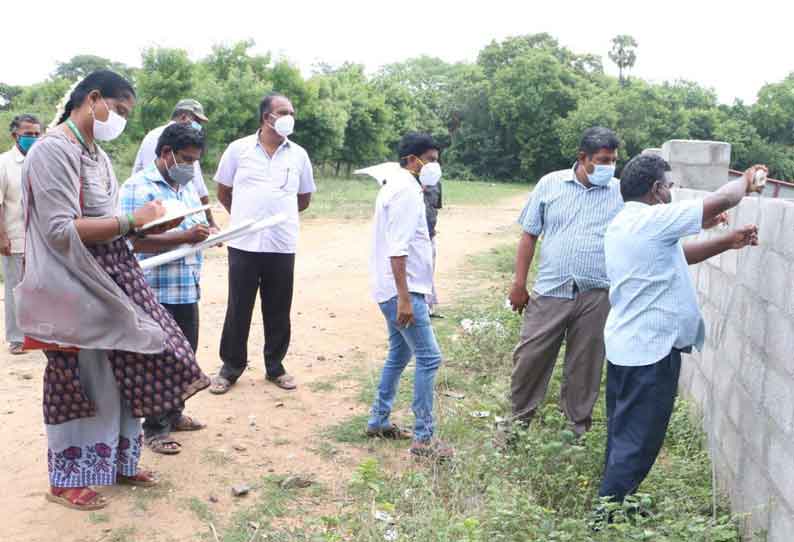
[285, 382]
[77, 498]
[141, 479]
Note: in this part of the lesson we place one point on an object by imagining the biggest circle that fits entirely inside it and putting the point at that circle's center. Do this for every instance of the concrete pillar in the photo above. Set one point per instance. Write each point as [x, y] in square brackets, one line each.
[653, 152]
[700, 165]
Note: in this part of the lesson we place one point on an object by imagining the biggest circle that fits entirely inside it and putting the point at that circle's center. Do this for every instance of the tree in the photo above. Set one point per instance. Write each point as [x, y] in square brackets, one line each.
[165, 78]
[623, 54]
[81, 65]
[773, 113]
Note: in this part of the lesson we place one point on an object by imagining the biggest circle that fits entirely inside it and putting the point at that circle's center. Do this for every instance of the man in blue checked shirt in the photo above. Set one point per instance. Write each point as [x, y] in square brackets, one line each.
[570, 210]
[176, 284]
[655, 315]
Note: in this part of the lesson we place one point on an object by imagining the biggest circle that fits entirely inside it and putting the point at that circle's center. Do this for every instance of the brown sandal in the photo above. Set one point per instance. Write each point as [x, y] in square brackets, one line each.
[163, 444]
[77, 498]
[141, 479]
[394, 432]
[434, 450]
[188, 423]
[220, 385]
[285, 382]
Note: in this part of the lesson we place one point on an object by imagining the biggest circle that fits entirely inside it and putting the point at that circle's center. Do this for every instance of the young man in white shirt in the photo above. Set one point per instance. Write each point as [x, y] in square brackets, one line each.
[401, 267]
[25, 130]
[654, 314]
[189, 112]
[262, 175]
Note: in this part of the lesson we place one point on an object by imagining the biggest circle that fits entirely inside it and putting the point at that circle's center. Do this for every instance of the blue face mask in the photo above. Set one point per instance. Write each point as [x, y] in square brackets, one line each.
[601, 175]
[25, 142]
[195, 125]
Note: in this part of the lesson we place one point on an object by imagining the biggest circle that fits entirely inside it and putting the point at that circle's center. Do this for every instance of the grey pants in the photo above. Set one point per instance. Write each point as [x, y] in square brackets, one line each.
[12, 274]
[547, 321]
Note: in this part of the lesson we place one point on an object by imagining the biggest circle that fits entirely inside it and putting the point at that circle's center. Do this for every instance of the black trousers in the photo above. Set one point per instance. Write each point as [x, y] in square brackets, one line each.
[187, 318]
[272, 275]
[639, 405]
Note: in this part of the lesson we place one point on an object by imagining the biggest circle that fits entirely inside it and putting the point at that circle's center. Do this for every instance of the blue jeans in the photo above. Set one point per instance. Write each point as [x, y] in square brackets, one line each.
[417, 339]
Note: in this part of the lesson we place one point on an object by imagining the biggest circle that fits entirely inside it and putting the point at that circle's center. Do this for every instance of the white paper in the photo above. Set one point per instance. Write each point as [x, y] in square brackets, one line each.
[244, 228]
[174, 209]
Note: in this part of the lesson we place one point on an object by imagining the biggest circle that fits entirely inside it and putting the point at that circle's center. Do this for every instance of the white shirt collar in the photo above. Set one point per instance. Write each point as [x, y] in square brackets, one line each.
[18, 156]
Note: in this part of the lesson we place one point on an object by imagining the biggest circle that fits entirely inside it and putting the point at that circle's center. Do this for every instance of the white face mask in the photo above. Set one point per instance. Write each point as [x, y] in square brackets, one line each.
[284, 125]
[111, 128]
[430, 174]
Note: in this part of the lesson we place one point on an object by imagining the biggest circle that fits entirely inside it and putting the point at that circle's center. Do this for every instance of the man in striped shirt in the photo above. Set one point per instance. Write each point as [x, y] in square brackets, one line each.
[570, 209]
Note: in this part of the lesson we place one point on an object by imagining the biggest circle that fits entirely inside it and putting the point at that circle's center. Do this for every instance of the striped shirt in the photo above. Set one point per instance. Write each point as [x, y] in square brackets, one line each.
[654, 305]
[572, 220]
[177, 282]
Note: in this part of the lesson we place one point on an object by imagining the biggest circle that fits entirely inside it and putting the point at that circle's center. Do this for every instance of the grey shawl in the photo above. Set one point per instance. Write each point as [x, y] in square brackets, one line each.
[65, 297]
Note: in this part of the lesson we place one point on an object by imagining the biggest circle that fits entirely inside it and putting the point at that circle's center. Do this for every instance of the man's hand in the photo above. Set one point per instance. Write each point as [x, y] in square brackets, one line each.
[215, 230]
[405, 311]
[149, 212]
[5, 245]
[743, 237]
[721, 218]
[519, 298]
[749, 176]
[197, 234]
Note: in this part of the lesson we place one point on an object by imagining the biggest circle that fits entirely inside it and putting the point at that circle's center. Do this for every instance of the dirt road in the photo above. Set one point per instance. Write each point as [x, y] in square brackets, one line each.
[256, 429]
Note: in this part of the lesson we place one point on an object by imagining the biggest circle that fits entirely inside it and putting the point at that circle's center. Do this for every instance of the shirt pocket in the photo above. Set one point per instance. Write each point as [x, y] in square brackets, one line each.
[286, 178]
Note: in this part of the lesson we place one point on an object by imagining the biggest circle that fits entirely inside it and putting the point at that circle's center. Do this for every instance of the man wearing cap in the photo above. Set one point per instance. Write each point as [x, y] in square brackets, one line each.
[187, 111]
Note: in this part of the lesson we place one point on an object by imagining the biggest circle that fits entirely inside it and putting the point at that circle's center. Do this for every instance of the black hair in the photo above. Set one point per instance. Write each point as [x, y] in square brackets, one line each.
[267, 102]
[640, 174]
[108, 83]
[17, 121]
[178, 137]
[416, 144]
[596, 138]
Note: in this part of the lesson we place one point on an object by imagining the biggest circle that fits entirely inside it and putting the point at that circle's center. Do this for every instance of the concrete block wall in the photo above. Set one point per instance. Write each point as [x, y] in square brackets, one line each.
[702, 165]
[743, 381]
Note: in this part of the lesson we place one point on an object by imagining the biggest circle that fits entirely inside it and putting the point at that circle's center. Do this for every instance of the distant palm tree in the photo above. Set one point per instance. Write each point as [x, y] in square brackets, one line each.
[623, 54]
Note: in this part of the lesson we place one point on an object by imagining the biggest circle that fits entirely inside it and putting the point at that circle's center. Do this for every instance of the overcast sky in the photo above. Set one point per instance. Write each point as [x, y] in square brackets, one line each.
[734, 47]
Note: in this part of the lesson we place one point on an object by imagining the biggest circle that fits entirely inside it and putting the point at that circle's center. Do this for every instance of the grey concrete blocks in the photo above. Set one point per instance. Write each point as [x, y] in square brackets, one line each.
[701, 165]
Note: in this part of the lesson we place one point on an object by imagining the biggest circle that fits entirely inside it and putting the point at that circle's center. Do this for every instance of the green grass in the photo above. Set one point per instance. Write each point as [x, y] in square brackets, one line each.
[200, 509]
[544, 487]
[355, 198]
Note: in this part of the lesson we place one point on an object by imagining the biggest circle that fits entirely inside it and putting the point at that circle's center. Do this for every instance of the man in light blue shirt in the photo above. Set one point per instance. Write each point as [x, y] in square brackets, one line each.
[654, 315]
[177, 284]
[570, 209]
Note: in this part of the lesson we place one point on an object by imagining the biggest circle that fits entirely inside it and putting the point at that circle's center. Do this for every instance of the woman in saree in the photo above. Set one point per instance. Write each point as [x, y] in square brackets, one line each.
[114, 355]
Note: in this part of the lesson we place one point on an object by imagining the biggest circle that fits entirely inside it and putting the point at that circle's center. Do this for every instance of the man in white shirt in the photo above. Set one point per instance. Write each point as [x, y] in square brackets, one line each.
[262, 175]
[25, 130]
[186, 111]
[401, 268]
[654, 315]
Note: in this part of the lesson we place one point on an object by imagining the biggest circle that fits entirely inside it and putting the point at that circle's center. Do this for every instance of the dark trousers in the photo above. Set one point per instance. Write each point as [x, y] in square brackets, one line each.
[187, 318]
[270, 274]
[639, 405]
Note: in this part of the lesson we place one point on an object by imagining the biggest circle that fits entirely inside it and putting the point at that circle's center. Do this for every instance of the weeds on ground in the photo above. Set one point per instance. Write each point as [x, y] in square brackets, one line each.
[541, 487]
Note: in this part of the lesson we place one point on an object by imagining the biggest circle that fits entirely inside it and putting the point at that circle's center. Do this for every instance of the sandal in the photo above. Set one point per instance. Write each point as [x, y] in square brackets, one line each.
[163, 444]
[141, 479]
[285, 382]
[76, 498]
[220, 385]
[434, 449]
[394, 432]
[188, 423]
